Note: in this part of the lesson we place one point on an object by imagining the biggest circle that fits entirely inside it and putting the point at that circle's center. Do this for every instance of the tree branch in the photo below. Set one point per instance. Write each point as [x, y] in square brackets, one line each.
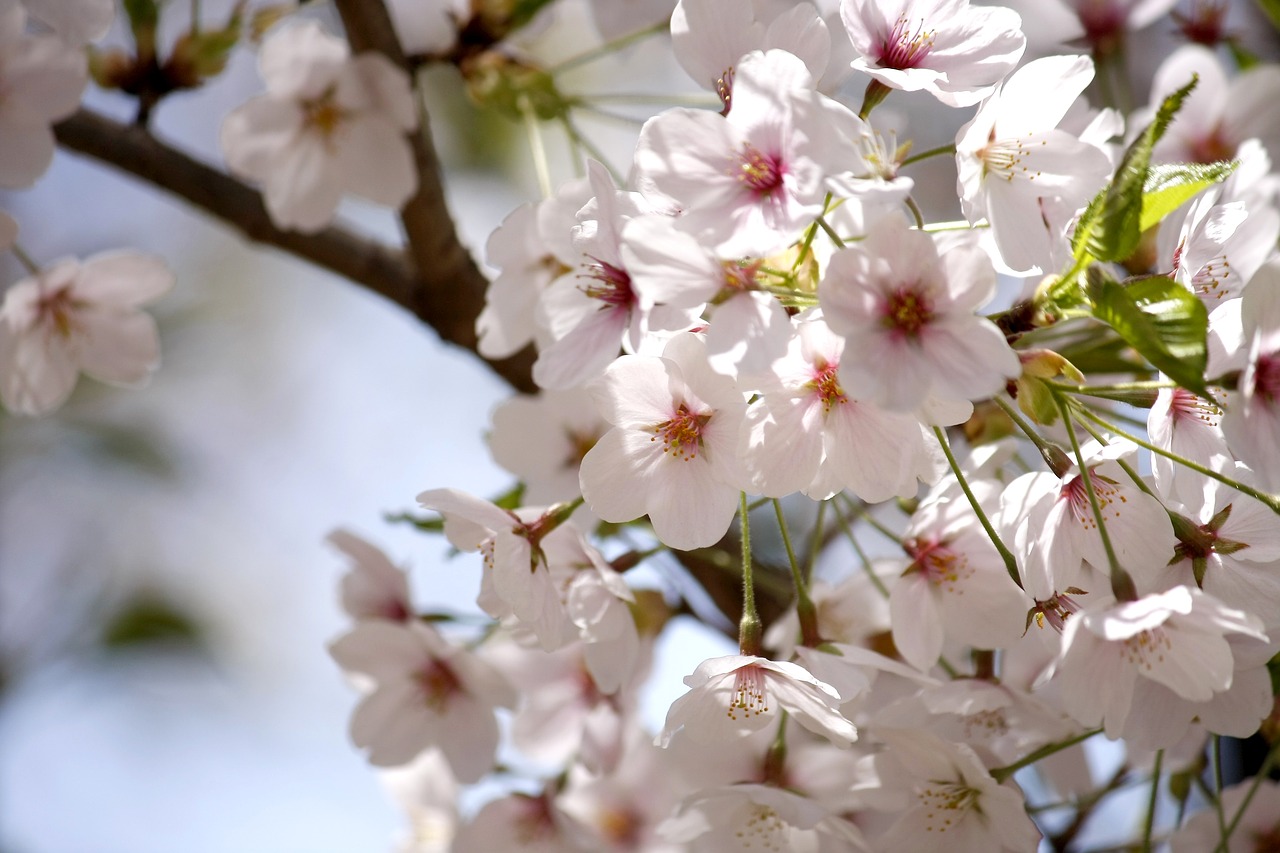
[443, 298]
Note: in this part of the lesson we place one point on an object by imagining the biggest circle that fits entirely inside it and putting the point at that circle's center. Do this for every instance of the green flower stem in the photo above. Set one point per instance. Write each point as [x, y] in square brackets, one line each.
[1001, 774]
[673, 99]
[1223, 834]
[1271, 501]
[1102, 439]
[749, 629]
[1010, 564]
[607, 48]
[1051, 453]
[804, 604]
[533, 129]
[941, 150]
[815, 542]
[915, 211]
[1121, 584]
[862, 556]
[835, 238]
[25, 259]
[1150, 822]
[576, 137]
[1263, 772]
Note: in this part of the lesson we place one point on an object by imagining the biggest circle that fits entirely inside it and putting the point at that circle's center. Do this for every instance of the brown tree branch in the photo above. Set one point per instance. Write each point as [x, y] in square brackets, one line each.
[446, 296]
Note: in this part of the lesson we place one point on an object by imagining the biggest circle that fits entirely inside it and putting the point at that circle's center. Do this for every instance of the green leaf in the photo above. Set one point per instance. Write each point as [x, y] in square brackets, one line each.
[1169, 186]
[1271, 8]
[423, 523]
[1160, 319]
[147, 620]
[1110, 227]
[1245, 58]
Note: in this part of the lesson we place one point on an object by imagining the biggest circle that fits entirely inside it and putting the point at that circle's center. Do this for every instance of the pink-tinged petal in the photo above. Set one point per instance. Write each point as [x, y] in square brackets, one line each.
[374, 588]
[971, 279]
[37, 372]
[801, 31]
[468, 736]
[476, 510]
[783, 445]
[124, 278]
[43, 80]
[747, 333]
[615, 474]
[382, 650]
[301, 61]
[1038, 96]
[708, 37]
[1238, 711]
[667, 265]
[303, 190]
[76, 22]
[1018, 226]
[384, 87]
[688, 508]
[583, 353]
[871, 451]
[393, 724]
[375, 161]
[1249, 111]
[672, 163]
[1095, 679]
[121, 348]
[1193, 664]
[635, 392]
[256, 135]
[971, 358]
[28, 151]
[917, 626]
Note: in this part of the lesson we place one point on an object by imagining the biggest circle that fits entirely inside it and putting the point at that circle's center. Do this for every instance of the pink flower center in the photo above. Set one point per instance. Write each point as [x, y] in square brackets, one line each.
[323, 116]
[759, 172]
[739, 276]
[1204, 23]
[612, 287]
[56, 310]
[1186, 406]
[938, 562]
[1101, 19]
[1266, 378]
[1107, 490]
[1147, 649]
[579, 443]
[439, 684]
[1056, 610]
[682, 434]
[749, 697]
[1212, 147]
[826, 382]
[906, 312]
[904, 47]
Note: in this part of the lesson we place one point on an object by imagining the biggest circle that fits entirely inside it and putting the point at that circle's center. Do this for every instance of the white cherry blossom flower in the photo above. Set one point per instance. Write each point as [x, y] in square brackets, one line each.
[542, 439]
[672, 452]
[1220, 114]
[758, 817]
[79, 317]
[375, 588]
[953, 51]
[1188, 426]
[41, 81]
[1217, 247]
[1176, 638]
[328, 124]
[428, 693]
[1051, 526]
[907, 316]
[806, 434]
[1013, 159]
[1258, 829]
[953, 803]
[1252, 420]
[736, 694]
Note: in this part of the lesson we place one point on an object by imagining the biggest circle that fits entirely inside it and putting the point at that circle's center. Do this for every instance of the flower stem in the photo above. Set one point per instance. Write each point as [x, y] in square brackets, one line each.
[1263, 772]
[950, 148]
[25, 259]
[1010, 564]
[915, 211]
[1052, 454]
[1150, 822]
[1271, 501]
[534, 131]
[749, 629]
[607, 48]
[835, 238]
[1121, 584]
[1000, 774]
[804, 605]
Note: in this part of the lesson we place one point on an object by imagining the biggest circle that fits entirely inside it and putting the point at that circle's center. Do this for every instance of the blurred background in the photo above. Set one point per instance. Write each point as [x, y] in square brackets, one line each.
[165, 590]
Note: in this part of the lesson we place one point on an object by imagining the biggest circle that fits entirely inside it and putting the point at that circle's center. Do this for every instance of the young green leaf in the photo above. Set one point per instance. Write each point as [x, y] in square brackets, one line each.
[1170, 185]
[1160, 319]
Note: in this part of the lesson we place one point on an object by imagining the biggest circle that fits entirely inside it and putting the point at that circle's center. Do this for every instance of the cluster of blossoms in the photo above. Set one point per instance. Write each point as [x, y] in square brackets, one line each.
[761, 312]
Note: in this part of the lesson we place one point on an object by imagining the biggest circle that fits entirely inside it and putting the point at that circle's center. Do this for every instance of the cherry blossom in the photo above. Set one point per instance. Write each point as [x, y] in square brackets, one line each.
[542, 440]
[953, 51]
[78, 317]
[672, 451]
[1252, 420]
[907, 316]
[1259, 826]
[953, 804]
[748, 817]
[1013, 159]
[730, 696]
[328, 124]
[427, 693]
[41, 81]
[375, 588]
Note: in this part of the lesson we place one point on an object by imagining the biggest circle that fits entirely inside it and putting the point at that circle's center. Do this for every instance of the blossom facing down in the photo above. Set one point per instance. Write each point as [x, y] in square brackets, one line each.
[672, 451]
[79, 317]
[907, 316]
[41, 81]
[1252, 420]
[736, 694]
[329, 124]
[375, 588]
[953, 51]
